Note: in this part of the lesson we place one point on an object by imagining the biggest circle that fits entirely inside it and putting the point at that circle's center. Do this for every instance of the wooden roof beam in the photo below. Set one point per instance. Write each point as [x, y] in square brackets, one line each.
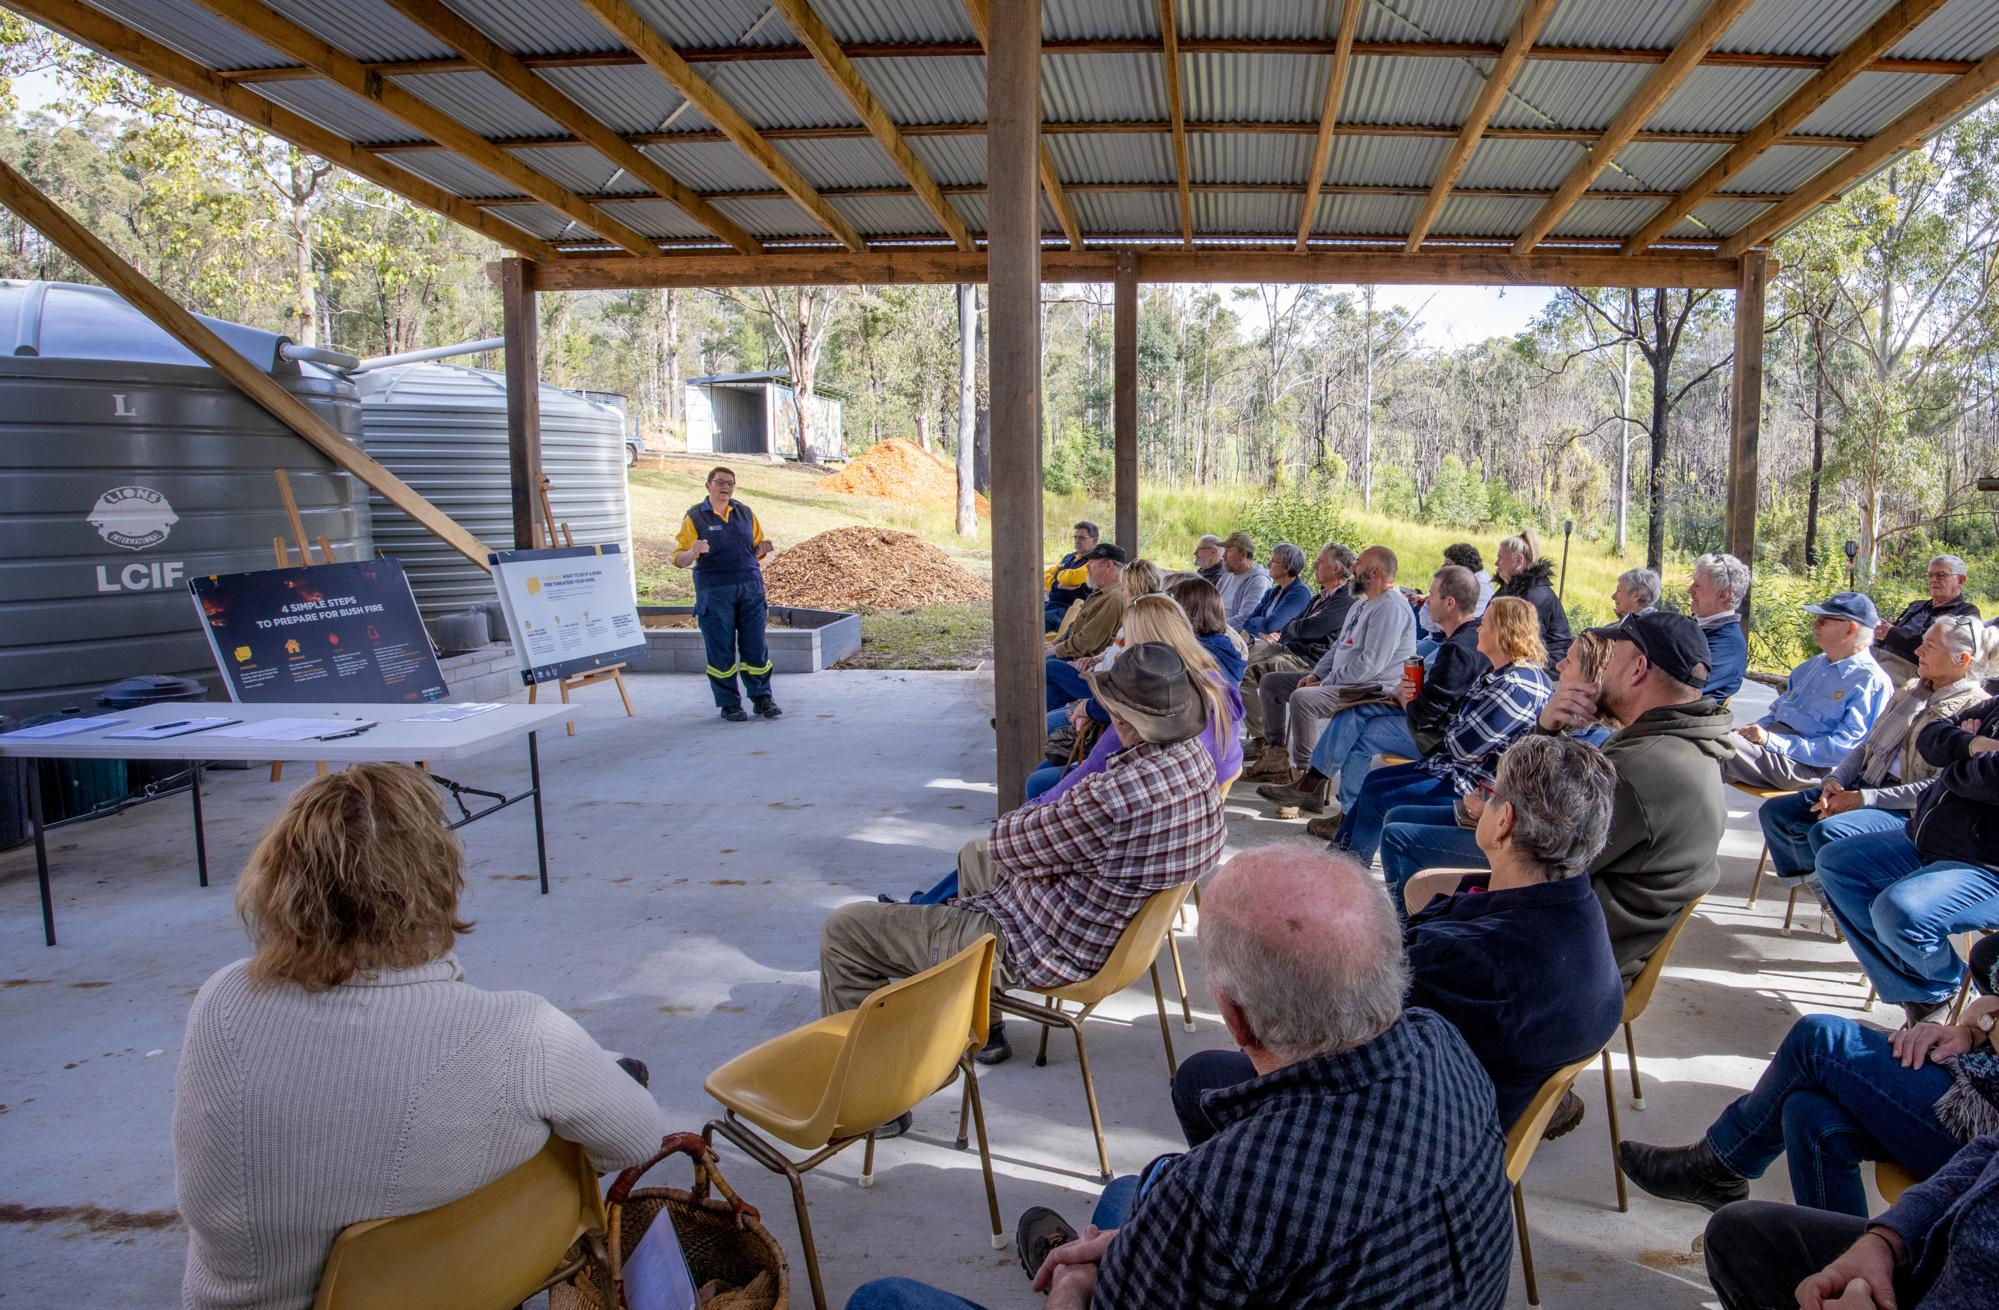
[628, 26]
[445, 24]
[809, 30]
[1532, 19]
[1712, 25]
[1890, 28]
[1169, 32]
[1905, 133]
[287, 37]
[978, 13]
[1329, 113]
[94, 29]
[1198, 188]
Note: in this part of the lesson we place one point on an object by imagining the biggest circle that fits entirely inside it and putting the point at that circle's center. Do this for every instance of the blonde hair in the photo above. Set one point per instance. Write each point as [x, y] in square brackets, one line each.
[1526, 544]
[1516, 629]
[358, 874]
[1143, 578]
[1160, 618]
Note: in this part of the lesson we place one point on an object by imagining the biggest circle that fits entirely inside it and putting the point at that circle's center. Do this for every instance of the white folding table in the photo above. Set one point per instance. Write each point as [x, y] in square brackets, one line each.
[392, 737]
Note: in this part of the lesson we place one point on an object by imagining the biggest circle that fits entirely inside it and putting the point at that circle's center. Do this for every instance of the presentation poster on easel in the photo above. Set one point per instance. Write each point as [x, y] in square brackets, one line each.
[326, 632]
[569, 610]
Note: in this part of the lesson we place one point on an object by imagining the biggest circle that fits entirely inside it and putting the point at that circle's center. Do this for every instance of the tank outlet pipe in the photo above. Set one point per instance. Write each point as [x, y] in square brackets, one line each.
[319, 355]
[435, 352]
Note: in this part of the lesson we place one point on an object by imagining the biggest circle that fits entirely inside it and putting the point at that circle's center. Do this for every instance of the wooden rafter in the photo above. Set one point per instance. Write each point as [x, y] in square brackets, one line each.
[805, 23]
[445, 24]
[1712, 25]
[283, 35]
[977, 13]
[1905, 133]
[89, 27]
[1850, 62]
[1198, 188]
[626, 24]
[1329, 113]
[1532, 18]
[1139, 239]
[1169, 50]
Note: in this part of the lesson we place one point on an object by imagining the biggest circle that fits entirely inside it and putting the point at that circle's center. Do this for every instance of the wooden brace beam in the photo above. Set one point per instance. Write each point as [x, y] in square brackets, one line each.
[1169, 27]
[1329, 113]
[978, 14]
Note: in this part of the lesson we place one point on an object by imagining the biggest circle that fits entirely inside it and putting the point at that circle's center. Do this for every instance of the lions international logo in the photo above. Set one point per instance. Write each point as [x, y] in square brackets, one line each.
[134, 518]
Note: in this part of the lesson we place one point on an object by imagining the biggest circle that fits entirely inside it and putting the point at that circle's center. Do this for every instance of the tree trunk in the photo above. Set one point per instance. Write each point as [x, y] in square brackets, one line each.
[1367, 410]
[301, 224]
[1818, 443]
[1655, 495]
[1623, 452]
[968, 376]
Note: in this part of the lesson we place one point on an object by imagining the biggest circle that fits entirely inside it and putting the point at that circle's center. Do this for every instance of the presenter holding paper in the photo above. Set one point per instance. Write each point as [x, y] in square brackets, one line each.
[722, 541]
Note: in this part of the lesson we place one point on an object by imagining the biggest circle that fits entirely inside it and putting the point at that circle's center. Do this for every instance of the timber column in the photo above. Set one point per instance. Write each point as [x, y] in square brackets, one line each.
[1124, 400]
[521, 318]
[1746, 417]
[1013, 270]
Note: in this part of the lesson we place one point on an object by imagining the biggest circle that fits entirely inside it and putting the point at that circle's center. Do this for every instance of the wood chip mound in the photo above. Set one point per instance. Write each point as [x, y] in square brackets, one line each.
[904, 472]
[869, 569]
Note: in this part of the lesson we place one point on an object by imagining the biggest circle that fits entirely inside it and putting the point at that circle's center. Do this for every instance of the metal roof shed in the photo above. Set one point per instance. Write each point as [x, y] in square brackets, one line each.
[757, 414]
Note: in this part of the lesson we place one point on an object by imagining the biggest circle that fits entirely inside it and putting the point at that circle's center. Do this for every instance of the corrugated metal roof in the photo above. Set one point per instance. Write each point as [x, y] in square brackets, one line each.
[525, 27]
[1410, 92]
[452, 173]
[1536, 165]
[543, 221]
[579, 168]
[655, 218]
[875, 215]
[850, 162]
[1565, 93]
[1378, 160]
[1962, 29]
[1124, 157]
[771, 218]
[1592, 217]
[1102, 88]
[1385, 214]
[1658, 166]
[1789, 27]
[1236, 211]
[1645, 25]
[953, 160]
[1870, 102]
[782, 93]
[894, 20]
[1256, 88]
[1726, 99]
[1484, 216]
[338, 111]
[482, 104]
[972, 208]
[1238, 157]
[369, 30]
[711, 166]
[690, 23]
[1725, 217]
[1784, 168]
[1299, 20]
[1440, 20]
[1126, 211]
[194, 32]
[931, 90]
[626, 99]
[1101, 20]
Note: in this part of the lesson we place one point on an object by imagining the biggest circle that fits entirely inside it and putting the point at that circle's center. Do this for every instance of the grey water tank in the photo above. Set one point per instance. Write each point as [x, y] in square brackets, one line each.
[442, 428]
[127, 466]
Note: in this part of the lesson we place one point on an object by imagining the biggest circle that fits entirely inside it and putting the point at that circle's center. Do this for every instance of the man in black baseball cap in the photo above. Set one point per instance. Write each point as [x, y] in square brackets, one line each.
[1671, 643]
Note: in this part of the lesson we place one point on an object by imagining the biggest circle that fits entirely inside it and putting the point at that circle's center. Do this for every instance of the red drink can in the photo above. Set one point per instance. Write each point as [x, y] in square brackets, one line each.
[1412, 669]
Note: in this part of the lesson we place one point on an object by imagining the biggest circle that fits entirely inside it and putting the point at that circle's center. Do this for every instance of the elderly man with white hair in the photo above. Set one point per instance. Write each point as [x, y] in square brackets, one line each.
[1832, 700]
[1720, 584]
[1208, 558]
[1637, 593]
[1895, 640]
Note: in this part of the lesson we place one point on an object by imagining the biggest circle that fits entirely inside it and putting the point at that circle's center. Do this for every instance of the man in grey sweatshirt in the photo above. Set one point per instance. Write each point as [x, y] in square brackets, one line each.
[1243, 581]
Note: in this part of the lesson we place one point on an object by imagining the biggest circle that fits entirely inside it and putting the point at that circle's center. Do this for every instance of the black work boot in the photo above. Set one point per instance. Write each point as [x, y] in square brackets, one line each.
[1567, 1118]
[767, 708]
[1694, 1174]
[734, 714]
[996, 1050]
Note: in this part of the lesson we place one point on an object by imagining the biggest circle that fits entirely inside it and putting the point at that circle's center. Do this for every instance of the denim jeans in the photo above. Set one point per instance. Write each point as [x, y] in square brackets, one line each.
[1899, 913]
[1347, 748]
[1419, 837]
[1795, 834]
[1064, 683]
[1043, 778]
[1833, 1096]
[1386, 788]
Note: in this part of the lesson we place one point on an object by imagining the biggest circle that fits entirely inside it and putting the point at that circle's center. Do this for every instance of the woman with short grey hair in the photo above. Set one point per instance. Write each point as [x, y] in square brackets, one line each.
[1637, 593]
[1721, 583]
[1287, 598]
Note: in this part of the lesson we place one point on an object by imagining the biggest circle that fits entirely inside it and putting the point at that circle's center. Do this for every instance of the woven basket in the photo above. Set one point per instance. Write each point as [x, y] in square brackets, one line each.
[724, 1239]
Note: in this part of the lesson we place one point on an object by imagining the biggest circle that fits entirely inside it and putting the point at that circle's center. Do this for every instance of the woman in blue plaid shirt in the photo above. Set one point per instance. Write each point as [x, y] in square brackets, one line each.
[1501, 707]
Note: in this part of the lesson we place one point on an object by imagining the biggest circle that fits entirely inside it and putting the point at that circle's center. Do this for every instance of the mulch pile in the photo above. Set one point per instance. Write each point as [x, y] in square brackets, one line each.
[870, 569]
[901, 471]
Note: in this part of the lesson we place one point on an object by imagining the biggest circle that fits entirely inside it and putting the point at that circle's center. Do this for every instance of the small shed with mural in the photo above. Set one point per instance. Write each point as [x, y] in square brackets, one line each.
[756, 414]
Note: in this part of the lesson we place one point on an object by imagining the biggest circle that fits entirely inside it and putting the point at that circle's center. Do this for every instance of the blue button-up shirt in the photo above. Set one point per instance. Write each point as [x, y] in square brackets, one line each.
[1827, 709]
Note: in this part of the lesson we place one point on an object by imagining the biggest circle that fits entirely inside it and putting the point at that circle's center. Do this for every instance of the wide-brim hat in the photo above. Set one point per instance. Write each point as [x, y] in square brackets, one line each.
[1150, 688]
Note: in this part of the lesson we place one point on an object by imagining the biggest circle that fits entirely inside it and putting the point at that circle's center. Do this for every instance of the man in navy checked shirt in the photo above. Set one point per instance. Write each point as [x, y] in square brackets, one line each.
[1362, 1166]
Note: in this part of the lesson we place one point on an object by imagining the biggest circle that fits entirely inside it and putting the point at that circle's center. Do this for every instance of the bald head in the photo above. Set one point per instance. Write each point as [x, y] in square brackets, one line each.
[1304, 953]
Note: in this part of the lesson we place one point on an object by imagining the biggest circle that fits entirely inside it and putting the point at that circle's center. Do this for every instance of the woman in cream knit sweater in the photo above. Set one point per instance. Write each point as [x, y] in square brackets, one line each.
[346, 1070]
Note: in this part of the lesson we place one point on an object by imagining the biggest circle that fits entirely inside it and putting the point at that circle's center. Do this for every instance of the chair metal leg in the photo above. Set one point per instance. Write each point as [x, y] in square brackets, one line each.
[985, 1151]
[1616, 1135]
[1041, 1054]
[964, 1109]
[1963, 995]
[1631, 1050]
[1868, 1004]
[1756, 883]
[1180, 976]
[1526, 1248]
[777, 1162]
[1791, 907]
[868, 1163]
[1165, 1028]
[1090, 1094]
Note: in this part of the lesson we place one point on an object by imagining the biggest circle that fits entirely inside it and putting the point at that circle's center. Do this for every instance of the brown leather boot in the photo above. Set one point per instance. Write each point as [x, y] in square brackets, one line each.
[1273, 765]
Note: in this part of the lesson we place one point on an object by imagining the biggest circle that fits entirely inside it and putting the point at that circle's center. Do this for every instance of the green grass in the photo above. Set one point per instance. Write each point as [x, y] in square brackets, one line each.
[932, 637]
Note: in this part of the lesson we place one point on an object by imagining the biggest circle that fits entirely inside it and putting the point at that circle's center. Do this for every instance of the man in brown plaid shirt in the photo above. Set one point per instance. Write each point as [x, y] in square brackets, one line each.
[1056, 884]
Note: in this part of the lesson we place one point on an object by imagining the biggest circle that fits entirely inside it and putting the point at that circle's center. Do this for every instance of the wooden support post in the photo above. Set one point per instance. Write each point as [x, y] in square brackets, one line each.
[522, 325]
[1746, 423]
[1124, 400]
[1013, 225]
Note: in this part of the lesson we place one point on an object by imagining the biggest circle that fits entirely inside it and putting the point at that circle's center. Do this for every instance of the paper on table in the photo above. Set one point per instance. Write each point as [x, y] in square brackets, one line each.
[289, 729]
[178, 728]
[453, 712]
[60, 728]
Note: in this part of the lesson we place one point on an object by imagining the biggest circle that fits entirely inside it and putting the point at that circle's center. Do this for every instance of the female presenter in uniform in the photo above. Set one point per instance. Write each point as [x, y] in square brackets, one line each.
[722, 540]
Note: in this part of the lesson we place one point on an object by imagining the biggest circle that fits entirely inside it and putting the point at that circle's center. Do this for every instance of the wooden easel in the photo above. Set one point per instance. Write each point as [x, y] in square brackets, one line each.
[548, 536]
[285, 562]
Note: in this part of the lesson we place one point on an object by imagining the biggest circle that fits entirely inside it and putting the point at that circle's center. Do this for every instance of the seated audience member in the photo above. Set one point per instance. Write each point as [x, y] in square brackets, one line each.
[1364, 663]
[1286, 600]
[1935, 1249]
[1901, 894]
[1429, 633]
[1895, 640]
[1244, 581]
[1501, 706]
[1719, 585]
[1301, 643]
[1637, 592]
[1141, 578]
[1057, 883]
[1523, 573]
[1361, 1159]
[1208, 558]
[1089, 627]
[1202, 605]
[1832, 700]
[1519, 962]
[1067, 580]
[1414, 726]
[346, 1070]
[1876, 785]
[1838, 1093]
[1667, 817]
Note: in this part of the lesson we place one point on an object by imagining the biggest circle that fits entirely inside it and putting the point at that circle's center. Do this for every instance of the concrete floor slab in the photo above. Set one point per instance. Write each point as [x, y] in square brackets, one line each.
[693, 862]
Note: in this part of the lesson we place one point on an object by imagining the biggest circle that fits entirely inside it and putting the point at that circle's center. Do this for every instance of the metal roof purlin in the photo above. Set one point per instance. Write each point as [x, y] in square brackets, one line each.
[1329, 113]
[976, 12]
[1887, 30]
[1711, 27]
[448, 27]
[1169, 30]
[626, 24]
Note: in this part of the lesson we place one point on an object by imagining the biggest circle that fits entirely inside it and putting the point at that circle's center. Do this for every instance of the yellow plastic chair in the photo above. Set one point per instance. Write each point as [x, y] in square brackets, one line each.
[491, 1249]
[832, 1083]
[1636, 997]
[1136, 953]
[1520, 1143]
[1891, 1180]
[1180, 921]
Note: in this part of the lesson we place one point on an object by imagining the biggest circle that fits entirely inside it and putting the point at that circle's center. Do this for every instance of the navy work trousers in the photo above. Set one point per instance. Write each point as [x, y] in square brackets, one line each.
[732, 625]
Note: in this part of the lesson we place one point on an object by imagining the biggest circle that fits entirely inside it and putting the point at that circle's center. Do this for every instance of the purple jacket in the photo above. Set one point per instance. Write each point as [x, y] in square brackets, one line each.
[1228, 762]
